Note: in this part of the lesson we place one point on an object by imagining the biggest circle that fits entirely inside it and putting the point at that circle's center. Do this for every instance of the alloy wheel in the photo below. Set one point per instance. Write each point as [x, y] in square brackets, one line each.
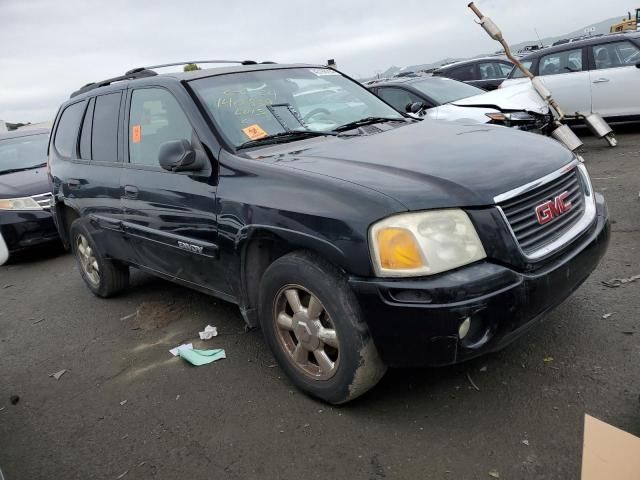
[306, 332]
[88, 260]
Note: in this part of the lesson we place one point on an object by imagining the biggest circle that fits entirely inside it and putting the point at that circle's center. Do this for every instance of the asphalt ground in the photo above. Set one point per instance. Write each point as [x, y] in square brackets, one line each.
[126, 408]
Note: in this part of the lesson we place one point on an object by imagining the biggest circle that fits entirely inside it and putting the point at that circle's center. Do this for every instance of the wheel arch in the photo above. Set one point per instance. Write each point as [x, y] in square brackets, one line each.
[260, 246]
[64, 215]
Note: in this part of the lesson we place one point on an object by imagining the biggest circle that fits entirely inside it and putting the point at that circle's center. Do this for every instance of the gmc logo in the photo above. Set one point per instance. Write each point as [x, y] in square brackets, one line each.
[553, 208]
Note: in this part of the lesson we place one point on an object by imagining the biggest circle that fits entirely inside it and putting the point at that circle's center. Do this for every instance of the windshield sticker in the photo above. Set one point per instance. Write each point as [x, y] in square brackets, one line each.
[136, 133]
[244, 102]
[254, 132]
[321, 72]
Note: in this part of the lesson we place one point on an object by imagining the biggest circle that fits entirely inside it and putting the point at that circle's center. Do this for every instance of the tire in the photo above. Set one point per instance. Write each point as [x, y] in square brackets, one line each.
[302, 342]
[110, 278]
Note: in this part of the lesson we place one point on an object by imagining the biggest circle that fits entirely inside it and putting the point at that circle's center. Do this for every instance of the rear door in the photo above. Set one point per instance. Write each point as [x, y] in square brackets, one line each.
[98, 170]
[87, 138]
[565, 73]
[615, 78]
[170, 216]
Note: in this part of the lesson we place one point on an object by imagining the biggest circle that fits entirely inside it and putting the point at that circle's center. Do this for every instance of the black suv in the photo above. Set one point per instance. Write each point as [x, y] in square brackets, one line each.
[356, 237]
[487, 72]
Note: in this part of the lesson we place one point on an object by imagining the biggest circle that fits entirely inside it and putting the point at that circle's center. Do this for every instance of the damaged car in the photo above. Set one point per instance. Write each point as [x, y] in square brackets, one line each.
[358, 238]
[442, 98]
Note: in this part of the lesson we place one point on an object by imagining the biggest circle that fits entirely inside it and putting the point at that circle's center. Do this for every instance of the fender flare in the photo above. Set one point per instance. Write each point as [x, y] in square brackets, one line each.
[290, 240]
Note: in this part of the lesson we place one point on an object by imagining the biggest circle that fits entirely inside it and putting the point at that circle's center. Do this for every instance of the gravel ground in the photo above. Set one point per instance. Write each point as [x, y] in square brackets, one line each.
[127, 409]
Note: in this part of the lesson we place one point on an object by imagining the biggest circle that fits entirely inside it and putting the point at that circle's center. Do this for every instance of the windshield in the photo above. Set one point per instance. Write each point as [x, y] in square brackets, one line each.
[252, 105]
[23, 153]
[444, 90]
[517, 73]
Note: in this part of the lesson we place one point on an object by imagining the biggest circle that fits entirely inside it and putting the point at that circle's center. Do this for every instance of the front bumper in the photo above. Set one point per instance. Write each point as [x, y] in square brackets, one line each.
[23, 230]
[415, 322]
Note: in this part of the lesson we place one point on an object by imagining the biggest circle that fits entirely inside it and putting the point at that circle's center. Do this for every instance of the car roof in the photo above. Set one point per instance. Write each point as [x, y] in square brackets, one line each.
[472, 60]
[23, 133]
[613, 37]
[410, 80]
[139, 75]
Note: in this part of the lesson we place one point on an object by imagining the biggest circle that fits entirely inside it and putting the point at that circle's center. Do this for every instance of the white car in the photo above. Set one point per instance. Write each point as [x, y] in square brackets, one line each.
[450, 100]
[595, 75]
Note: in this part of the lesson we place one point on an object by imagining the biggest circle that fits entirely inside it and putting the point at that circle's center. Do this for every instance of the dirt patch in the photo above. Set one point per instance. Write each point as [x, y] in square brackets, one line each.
[154, 315]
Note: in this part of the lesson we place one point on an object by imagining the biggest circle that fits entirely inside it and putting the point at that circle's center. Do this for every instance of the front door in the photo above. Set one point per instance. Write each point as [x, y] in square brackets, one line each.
[615, 79]
[170, 216]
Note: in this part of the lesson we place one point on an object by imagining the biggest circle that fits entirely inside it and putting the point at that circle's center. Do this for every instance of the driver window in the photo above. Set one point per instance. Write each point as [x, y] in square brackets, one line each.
[489, 71]
[562, 62]
[155, 117]
[398, 98]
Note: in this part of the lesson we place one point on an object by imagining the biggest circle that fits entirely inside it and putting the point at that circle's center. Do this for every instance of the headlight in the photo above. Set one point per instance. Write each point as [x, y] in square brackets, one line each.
[26, 203]
[423, 243]
[511, 117]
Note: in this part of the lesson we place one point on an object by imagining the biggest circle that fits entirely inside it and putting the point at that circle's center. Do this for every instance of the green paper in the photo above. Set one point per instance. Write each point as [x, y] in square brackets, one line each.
[201, 357]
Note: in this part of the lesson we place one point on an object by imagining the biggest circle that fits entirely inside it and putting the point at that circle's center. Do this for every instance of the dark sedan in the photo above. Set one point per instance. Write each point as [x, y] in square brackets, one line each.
[25, 198]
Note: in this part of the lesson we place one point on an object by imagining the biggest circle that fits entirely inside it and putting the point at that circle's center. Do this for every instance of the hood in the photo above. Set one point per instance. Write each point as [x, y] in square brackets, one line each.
[519, 96]
[429, 164]
[25, 183]
[454, 113]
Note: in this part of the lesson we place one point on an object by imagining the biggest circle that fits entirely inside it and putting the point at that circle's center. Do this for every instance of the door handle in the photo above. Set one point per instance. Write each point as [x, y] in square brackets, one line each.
[130, 191]
[601, 80]
[73, 183]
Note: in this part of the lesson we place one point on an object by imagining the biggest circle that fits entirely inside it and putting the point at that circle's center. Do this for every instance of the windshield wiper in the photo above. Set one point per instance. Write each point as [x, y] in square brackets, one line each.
[22, 169]
[367, 121]
[283, 137]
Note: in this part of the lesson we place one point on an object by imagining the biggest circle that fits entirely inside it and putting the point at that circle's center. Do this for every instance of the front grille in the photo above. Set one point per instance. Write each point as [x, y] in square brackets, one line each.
[44, 200]
[520, 212]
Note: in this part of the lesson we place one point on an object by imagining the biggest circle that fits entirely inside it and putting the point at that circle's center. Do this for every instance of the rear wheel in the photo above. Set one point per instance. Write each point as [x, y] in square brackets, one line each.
[104, 278]
[313, 324]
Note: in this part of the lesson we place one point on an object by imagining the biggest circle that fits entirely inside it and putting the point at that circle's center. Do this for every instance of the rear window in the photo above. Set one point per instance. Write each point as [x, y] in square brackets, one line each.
[613, 55]
[85, 134]
[67, 130]
[464, 74]
[104, 137]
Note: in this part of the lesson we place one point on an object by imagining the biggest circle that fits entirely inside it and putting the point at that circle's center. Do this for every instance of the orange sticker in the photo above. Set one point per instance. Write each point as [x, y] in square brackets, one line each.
[254, 132]
[136, 133]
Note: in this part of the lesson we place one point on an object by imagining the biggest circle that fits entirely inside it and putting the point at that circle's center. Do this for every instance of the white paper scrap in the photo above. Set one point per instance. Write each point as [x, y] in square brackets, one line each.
[208, 333]
[184, 346]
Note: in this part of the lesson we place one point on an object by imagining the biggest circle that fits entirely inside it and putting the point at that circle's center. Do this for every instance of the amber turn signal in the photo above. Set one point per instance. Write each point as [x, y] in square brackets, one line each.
[398, 249]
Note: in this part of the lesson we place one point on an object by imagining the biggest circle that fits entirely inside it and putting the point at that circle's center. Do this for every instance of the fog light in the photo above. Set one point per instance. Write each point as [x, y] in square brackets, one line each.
[464, 328]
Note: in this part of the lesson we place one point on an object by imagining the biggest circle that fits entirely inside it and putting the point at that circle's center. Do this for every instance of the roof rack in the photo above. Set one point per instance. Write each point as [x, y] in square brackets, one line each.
[142, 72]
[241, 62]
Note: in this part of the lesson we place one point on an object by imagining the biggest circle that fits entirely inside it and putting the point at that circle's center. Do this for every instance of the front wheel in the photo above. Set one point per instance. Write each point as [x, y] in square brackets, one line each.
[314, 327]
[104, 278]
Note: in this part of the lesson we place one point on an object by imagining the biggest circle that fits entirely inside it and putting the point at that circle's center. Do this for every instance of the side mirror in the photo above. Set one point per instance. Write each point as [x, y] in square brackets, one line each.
[414, 107]
[637, 65]
[179, 156]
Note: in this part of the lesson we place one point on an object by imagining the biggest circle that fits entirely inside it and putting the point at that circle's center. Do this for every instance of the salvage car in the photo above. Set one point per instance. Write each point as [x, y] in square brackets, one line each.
[25, 217]
[356, 243]
[595, 75]
[485, 72]
[441, 98]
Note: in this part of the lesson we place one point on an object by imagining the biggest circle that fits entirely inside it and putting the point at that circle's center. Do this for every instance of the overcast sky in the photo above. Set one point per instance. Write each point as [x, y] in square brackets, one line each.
[52, 47]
